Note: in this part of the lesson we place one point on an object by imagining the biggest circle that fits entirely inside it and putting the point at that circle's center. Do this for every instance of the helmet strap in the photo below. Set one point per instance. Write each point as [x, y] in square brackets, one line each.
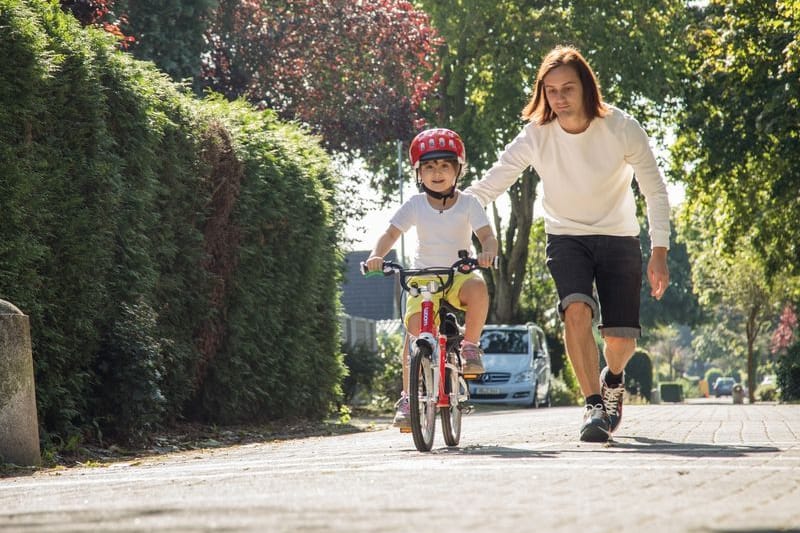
[443, 196]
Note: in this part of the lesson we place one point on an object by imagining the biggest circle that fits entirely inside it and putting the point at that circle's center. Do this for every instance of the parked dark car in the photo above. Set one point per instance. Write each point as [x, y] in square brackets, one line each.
[724, 386]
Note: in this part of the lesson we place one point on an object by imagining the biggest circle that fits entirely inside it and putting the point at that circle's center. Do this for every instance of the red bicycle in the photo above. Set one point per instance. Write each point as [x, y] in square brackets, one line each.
[436, 383]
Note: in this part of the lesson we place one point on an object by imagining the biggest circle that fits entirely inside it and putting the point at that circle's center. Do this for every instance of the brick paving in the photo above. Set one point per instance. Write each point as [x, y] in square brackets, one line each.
[706, 466]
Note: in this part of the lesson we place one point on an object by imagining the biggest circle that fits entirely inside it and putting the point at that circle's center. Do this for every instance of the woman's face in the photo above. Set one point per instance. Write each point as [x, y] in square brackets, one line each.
[564, 92]
[438, 175]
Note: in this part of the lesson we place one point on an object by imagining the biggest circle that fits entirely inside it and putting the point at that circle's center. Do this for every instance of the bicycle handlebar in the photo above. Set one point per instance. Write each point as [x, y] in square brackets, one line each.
[464, 265]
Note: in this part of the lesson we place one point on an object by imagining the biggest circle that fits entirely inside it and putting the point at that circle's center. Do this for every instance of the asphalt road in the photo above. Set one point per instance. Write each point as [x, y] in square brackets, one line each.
[709, 466]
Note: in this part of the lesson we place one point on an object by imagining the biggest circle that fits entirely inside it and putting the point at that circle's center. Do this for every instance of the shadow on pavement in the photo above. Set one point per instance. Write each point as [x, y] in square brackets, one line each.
[689, 449]
[754, 530]
[80, 520]
[501, 452]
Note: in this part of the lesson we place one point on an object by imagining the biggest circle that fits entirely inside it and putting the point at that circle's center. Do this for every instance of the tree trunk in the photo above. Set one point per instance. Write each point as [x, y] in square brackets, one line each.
[505, 283]
[752, 329]
[671, 358]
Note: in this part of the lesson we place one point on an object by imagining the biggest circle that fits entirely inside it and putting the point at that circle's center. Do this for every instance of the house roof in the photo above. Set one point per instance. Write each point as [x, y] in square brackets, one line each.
[374, 298]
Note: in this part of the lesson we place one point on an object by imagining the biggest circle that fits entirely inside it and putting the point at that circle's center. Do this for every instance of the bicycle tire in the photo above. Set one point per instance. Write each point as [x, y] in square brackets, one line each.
[422, 401]
[451, 416]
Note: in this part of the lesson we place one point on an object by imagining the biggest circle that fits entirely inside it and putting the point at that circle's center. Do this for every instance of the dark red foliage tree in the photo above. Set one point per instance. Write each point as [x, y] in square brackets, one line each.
[98, 13]
[355, 72]
[784, 334]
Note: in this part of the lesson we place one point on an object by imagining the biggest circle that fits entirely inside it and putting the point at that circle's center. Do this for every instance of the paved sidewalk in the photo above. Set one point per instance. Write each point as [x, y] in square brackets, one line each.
[704, 467]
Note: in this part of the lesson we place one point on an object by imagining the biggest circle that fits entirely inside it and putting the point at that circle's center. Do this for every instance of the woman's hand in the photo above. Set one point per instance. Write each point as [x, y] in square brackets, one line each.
[485, 259]
[658, 272]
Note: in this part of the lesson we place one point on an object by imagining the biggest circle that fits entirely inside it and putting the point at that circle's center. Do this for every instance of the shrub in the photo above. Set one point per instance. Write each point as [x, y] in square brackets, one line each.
[363, 367]
[712, 374]
[130, 369]
[690, 386]
[206, 228]
[561, 395]
[671, 392]
[788, 373]
[570, 380]
[564, 388]
[766, 393]
[55, 247]
[281, 354]
[389, 383]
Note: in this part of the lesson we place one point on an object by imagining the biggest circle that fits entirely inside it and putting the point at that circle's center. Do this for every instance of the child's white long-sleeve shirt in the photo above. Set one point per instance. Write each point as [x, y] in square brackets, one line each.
[586, 177]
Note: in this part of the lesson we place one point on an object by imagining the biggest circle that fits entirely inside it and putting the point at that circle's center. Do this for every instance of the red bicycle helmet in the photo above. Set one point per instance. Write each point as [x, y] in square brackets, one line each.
[437, 143]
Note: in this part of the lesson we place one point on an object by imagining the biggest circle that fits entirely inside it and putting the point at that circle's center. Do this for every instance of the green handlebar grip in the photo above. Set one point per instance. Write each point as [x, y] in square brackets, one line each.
[373, 273]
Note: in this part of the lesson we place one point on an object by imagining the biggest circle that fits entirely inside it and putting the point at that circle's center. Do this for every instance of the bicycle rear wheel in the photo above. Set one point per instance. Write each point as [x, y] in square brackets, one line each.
[451, 416]
[422, 400]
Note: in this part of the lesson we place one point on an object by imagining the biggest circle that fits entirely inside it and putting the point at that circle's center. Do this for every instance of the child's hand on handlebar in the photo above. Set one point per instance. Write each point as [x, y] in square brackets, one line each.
[374, 263]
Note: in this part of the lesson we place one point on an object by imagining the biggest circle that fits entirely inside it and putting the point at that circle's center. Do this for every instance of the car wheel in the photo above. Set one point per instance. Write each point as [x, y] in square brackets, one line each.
[547, 402]
[534, 400]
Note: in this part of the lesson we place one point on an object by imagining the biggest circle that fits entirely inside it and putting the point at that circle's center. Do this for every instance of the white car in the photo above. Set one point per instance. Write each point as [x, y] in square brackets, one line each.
[517, 365]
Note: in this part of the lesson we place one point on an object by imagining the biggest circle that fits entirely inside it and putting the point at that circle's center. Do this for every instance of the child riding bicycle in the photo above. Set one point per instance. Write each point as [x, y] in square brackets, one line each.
[445, 219]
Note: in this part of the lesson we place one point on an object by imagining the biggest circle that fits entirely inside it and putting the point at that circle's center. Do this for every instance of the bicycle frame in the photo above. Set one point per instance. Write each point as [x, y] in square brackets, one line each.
[440, 353]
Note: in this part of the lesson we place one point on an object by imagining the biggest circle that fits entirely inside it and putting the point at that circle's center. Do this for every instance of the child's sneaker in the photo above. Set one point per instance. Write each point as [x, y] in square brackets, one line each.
[471, 358]
[402, 414]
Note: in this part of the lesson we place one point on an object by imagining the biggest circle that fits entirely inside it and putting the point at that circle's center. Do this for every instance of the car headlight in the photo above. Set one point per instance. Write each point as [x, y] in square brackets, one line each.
[523, 377]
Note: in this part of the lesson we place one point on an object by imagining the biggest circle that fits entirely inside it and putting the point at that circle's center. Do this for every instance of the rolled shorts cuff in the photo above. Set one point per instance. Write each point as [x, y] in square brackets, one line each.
[579, 297]
[626, 332]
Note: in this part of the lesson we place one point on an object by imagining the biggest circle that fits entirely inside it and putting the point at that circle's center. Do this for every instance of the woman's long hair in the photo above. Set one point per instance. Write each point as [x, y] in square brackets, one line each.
[538, 108]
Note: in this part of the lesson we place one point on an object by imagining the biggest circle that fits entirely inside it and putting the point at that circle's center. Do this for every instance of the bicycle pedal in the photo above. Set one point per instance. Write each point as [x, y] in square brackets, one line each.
[405, 430]
[467, 409]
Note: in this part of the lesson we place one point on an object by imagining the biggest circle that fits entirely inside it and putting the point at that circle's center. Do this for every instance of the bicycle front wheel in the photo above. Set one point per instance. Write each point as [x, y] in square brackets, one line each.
[422, 400]
[451, 416]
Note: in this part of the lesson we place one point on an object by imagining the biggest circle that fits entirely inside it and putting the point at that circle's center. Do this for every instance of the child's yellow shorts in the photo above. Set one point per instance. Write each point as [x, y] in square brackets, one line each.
[414, 303]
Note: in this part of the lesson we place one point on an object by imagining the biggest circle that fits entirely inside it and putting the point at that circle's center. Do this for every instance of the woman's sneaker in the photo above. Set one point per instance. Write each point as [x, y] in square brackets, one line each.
[612, 399]
[595, 424]
[471, 358]
[402, 414]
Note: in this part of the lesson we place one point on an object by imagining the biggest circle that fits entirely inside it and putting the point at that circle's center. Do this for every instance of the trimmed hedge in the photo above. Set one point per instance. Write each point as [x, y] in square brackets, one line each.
[277, 359]
[177, 258]
[788, 373]
[711, 376]
[671, 392]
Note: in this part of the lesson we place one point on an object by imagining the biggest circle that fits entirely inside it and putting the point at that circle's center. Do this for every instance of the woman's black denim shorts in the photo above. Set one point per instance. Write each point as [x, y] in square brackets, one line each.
[611, 265]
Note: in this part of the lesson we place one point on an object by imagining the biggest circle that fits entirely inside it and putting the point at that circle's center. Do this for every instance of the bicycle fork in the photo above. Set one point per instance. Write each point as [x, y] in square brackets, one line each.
[444, 399]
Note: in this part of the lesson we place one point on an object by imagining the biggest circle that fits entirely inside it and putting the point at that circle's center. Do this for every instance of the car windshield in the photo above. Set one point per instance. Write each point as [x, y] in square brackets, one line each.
[504, 341]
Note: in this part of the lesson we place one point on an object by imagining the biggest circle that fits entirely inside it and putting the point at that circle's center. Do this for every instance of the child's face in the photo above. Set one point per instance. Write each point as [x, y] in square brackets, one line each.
[438, 175]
